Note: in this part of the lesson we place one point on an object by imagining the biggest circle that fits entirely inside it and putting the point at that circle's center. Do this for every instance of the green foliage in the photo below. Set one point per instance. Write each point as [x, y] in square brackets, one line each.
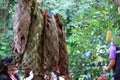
[86, 23]
[86, 44]
[4, 46]
[6, 31]
[67, 11]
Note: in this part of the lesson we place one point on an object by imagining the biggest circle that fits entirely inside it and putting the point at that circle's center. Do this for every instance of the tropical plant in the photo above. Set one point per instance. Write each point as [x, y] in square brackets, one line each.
[86, 23]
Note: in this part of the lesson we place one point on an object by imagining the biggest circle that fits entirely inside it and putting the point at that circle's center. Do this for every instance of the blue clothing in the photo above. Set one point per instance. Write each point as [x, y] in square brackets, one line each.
[4, 76]
[116, 78]
[116, 68]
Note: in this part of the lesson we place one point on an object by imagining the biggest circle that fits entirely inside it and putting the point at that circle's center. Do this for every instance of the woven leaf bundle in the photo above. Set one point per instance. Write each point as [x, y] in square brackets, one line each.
[21, 26]
[51, 45]
[63, 55]
[39, 41]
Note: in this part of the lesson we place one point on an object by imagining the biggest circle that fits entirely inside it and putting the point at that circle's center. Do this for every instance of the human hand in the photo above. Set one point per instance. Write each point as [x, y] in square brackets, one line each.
[105, 69]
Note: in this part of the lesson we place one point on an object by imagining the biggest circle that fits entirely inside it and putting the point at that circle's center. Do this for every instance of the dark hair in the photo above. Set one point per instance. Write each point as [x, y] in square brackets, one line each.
[4, 62]
[8, 59]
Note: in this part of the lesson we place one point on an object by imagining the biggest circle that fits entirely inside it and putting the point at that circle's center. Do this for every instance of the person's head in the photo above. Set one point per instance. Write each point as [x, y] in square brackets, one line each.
[12, 68]
[8, 65]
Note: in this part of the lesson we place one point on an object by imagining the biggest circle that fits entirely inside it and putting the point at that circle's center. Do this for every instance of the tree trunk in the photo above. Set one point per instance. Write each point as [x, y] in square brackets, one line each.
[4, 15]
[117, 2]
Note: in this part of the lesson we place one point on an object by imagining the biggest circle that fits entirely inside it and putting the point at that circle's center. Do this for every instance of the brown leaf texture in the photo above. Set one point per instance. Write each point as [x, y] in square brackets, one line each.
[63, 54]
[22, 19]
[51, 46]
[39, 40]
